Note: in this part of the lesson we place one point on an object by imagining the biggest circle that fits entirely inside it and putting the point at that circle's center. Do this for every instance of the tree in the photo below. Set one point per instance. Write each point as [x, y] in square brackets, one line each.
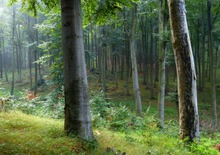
[134, 62]
[186, 75]
[13, 52]
[211, 61]
[162, 57]
[77, 108]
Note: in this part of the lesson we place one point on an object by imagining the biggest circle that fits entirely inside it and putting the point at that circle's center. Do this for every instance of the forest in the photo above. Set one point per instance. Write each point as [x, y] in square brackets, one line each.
[109, 77]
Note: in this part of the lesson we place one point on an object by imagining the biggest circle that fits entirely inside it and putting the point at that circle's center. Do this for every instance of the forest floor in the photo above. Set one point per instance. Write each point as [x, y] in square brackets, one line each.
[28, 134]
[28, 125]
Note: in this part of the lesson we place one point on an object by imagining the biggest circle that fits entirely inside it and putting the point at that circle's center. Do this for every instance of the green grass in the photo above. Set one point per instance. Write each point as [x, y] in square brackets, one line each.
[27, 134]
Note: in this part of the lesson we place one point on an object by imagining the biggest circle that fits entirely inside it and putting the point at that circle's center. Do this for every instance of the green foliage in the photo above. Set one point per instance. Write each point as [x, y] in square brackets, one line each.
[50, 106]
[101, 11]
[33, 6]
[116, 129]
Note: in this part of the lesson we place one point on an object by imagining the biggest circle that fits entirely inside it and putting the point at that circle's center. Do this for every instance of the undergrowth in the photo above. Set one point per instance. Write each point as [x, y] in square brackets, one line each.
[116, 127]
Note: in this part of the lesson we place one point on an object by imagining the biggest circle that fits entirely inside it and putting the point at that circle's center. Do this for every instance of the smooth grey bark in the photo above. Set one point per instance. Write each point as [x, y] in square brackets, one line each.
[1, 59]
[19, 56]
[13, 52]
[4, 63]
[186, 75]
[162, 58]
[77, 107]
[29, 53]
[133, 49]
[35, 59]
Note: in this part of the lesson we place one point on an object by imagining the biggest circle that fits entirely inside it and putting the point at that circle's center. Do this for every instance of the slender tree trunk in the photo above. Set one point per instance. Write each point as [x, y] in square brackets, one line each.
[198, 56]
[20, 51]
[104, 71]
[100, 61]
[4, 55]
[122, 64]
[144, 49]
[127, 57]
[186, 75]
[13, 53]
[77, 108]
[203, 52]
[29, 53]
[133, 49]
[162, 58]
[1, 59]
[151, 61]
[116, 72]
[35, 59]
[211, 61]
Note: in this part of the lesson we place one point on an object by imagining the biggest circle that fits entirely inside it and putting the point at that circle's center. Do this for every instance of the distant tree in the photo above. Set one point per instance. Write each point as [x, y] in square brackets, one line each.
[13, 51]
[186, 74]
[211, 60]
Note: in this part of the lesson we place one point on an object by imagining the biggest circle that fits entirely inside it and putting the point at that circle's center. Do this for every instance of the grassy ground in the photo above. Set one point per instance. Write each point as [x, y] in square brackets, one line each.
[27, 134]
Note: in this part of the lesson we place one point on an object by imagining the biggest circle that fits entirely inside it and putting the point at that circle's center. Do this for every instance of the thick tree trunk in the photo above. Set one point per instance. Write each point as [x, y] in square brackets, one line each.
[186, 75]
[136, 89]
[77, 108]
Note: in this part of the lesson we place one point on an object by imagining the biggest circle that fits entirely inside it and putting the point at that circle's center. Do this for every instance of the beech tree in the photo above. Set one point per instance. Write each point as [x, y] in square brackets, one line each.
[162, 57]
[136, 88]
[186, 74]
[77, 109]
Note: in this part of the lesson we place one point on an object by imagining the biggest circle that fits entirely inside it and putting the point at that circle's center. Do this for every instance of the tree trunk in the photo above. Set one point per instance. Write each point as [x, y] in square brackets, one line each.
[1, 59]
[29, 53]
[35, 59]
[186, 75]
[144, 49]
[13, 53]
[211, 61]
[151, 60]
[133, 49]
[77, 108]
[162, 58]
[4, 55]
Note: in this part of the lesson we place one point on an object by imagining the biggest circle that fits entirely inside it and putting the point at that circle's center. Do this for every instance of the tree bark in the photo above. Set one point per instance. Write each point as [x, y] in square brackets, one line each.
[211, 61]
[29, 53]
[136, 89]
[35, 59]
[13, 52]
[77, 107]
[186, 75]
[1, 59]
[151, 60]
[4, 55]
[162, 58]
